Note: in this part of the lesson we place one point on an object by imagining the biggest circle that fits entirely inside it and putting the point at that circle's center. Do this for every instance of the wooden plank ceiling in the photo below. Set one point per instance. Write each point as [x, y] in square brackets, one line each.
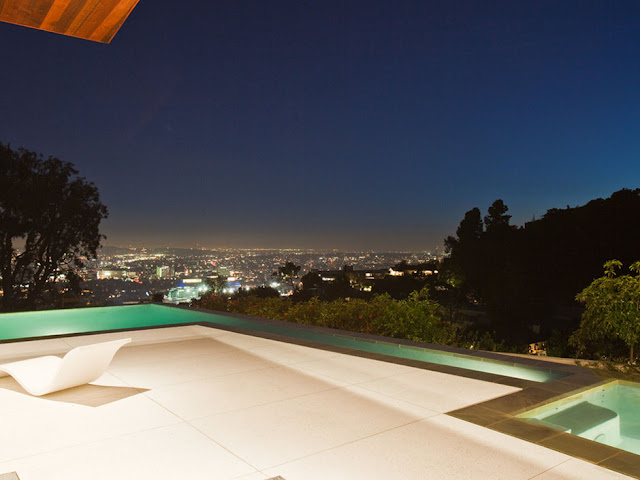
[96, 20]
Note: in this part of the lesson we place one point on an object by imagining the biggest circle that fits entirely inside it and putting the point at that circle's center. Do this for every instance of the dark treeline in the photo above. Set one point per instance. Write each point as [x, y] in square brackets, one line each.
[526, 278]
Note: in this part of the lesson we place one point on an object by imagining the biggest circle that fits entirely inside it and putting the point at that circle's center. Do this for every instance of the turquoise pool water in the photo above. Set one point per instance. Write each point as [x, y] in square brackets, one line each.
[608, 414]
[83, 320]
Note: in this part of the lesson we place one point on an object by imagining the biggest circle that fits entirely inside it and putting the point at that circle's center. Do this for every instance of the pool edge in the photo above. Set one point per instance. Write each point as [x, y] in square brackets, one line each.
[502, 415]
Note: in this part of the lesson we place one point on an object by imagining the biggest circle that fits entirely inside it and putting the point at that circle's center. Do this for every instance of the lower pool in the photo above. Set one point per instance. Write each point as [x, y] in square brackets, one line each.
[607, 414]
[102, 319]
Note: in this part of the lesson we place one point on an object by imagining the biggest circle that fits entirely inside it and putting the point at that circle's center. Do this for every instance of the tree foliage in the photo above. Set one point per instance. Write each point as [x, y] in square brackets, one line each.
[497, 219]
[217, 284]
[415, 318]
[311, 280]
[258, 292]
[289, 271]
[49, 222]
[612, 308]
[464, 267]
[530, 274]
[479, 257]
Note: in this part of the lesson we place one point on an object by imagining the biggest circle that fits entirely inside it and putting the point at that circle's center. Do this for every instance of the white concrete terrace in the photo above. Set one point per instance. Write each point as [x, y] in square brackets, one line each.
[201, 403]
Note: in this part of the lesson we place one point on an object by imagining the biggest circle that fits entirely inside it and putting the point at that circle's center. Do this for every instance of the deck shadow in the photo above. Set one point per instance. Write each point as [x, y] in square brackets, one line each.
[89, 395]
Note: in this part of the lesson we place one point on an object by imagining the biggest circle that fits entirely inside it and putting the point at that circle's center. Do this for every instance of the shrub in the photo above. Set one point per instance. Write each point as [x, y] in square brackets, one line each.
[612, 310]
[415, 318]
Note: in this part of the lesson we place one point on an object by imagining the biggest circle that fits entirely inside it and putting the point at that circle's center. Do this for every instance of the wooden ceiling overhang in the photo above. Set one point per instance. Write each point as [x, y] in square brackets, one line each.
[96, 20]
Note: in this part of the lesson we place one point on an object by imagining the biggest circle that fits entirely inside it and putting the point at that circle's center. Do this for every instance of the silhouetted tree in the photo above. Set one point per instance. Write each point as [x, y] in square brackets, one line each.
[339, 288]
[258, 292]
[49, 223]
[498, 247]
[464, 265]
[289, 270]
[157, 297]
[401, 266]
[287, 273]
[497, 219]
[311, 280]
[217, 284]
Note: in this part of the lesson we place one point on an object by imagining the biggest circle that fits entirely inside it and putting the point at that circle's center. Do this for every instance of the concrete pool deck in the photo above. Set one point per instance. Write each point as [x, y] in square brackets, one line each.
[200, 403]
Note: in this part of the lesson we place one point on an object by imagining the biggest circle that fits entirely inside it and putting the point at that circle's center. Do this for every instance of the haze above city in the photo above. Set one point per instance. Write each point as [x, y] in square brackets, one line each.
[361, 125]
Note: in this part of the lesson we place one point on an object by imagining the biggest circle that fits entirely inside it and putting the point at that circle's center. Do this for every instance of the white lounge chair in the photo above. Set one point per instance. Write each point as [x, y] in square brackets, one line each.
[43, 375]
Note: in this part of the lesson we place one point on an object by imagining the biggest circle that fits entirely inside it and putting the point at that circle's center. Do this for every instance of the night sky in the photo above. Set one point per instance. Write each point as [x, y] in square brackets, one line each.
[333, 124]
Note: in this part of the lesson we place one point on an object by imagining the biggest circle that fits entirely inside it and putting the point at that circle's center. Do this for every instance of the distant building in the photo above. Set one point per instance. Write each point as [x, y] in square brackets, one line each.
[189, 290]
[359, 279]
[111, 274]
[404, 269]
[165, 272]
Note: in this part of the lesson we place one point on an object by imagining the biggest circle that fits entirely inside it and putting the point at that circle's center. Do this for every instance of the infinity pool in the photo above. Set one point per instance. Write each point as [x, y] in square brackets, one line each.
[102, 319]
[608, 414]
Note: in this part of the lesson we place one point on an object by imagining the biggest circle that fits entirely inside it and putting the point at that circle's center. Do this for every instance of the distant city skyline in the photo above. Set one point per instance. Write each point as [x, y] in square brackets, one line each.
[293, 250]
[129, 240]
[369, 124]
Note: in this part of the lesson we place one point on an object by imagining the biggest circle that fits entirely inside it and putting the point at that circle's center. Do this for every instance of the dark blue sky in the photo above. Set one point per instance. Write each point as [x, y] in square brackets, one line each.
[354, 124]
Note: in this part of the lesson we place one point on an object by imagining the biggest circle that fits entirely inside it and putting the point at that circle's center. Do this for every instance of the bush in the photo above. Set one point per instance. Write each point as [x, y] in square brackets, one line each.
[415, 318]
[612, 311]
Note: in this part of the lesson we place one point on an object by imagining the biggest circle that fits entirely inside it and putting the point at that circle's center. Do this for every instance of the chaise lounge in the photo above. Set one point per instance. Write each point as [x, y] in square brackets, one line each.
[43, 375]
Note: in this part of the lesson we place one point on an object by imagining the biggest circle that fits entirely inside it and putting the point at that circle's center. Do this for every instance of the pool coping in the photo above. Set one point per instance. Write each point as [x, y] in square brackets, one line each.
[498, 414]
